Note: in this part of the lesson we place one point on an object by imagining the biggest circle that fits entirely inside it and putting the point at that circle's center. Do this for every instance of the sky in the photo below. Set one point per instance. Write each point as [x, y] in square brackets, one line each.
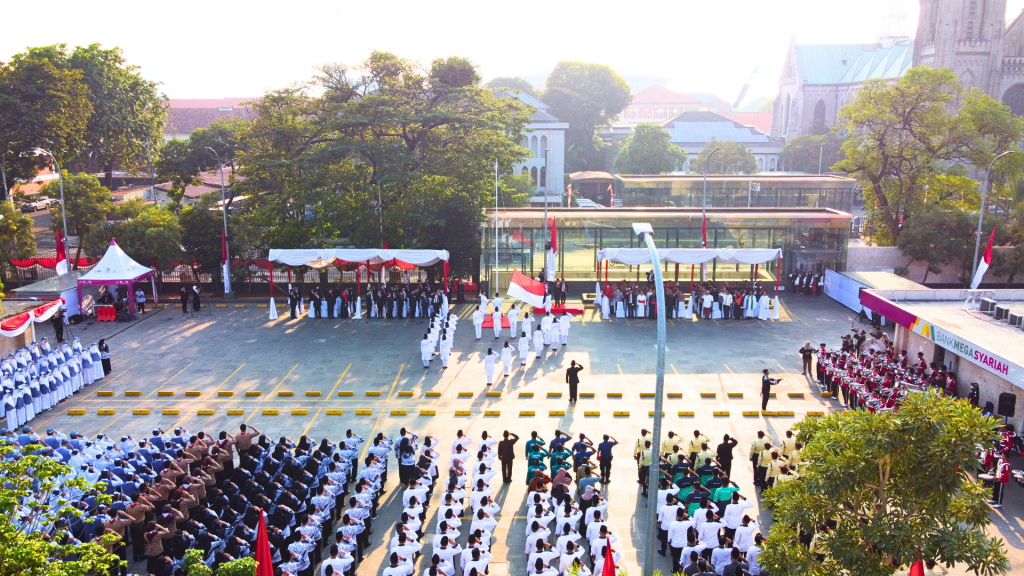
[215, 49]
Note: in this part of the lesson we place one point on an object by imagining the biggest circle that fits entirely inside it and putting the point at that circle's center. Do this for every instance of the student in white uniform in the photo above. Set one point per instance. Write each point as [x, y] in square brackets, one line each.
[489, 360]
[524, 348]
[527, 323]
[762, 307]
[483, 301]
[513, 320]
[426, 350]
[563, 327]
[538, 341]
[478, 322]
[497, 302]
[496, 318]
[545, 326]
[506, 357]
[446, 350]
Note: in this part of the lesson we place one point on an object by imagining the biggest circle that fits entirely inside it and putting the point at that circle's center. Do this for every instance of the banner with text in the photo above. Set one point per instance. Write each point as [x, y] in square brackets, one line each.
[972, 353]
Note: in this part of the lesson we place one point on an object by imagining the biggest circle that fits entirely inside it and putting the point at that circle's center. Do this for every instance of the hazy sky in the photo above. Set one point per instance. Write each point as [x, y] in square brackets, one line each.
[212, 49]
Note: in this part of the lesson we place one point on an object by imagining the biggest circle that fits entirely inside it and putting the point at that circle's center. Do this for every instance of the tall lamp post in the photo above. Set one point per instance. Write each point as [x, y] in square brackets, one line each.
[224, 233]
[704, 214]
[60, 180]
[984, 203]
[646, 233]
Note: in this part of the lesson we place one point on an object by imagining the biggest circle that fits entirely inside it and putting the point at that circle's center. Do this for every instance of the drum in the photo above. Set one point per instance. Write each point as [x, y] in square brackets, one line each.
[986, 479]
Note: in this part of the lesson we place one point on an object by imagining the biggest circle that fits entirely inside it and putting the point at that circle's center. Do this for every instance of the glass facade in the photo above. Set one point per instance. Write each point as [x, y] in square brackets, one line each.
[755, 191]
[812, 239]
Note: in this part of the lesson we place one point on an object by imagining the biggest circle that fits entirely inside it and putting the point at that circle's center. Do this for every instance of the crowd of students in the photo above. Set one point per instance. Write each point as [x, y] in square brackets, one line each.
[709, 301]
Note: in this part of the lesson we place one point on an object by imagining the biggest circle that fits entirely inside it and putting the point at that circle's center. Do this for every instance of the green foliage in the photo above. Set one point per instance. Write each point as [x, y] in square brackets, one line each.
[893, 484]
[588, 97]
[513, 83]
[388, 145]
[731, 158]
[176, 162]
[239, 567]
[34, 552]
[16, 239]
[937, 236]
[86, 206]
[152, 237]
[649, 150]
[801, 154]
[192, 564]
[40, 105]
[200, 237]
[906, 133]
[224, 136]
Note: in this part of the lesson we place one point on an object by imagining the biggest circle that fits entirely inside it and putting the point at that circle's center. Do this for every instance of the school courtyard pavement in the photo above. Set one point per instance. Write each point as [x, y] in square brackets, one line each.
[227, 365]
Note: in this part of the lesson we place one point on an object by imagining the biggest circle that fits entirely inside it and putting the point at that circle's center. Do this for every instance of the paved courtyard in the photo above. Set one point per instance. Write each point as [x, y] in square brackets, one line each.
[320, 377]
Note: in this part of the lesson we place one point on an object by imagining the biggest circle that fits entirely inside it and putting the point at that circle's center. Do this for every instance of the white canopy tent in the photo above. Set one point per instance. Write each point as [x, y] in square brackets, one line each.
[691, 256]
[117, 268]
[320, 257]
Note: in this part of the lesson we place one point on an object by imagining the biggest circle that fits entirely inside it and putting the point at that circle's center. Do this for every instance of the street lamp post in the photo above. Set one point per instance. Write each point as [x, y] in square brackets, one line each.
[547, 233]
[984, 202]
[63, 216]
[224, 234]
[646, 233]
[704, 214]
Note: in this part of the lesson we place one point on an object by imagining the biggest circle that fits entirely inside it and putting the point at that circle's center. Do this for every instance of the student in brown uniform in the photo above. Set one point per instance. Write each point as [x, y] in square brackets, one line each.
[137, 510]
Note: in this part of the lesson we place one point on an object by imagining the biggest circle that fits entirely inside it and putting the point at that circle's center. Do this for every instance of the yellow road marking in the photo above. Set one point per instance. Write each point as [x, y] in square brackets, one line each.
[674, 368]
[168, 381]
[376, 424]
[727, 368]
[339, 381]
[308, 426]
[112, 422]
[620, 369]
[280, 383]
[228, 378]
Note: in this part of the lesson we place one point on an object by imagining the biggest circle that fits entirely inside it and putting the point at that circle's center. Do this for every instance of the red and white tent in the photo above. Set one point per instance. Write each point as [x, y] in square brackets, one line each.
[17, 325]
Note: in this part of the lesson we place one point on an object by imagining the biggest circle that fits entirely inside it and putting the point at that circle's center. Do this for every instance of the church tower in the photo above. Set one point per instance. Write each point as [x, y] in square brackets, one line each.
[965, 36]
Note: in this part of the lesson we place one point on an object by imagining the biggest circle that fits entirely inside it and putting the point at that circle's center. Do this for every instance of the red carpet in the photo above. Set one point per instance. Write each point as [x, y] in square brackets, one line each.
[489, 322]
[559, 310]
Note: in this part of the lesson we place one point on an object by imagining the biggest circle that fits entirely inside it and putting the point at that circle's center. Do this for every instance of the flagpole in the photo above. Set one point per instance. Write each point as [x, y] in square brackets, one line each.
[495, 224]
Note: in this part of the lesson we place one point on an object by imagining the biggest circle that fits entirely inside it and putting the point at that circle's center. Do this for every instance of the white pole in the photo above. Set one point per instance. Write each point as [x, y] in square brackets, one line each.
[495, 276]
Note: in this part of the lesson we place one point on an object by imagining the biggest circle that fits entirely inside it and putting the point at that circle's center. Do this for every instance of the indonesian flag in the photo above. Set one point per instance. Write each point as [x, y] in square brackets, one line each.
[609, 559]
[611, 191]
[704, 230]
[62, 257]
[917, 568]
[551, 254]
[524, 288]
[264, 560]
[568, 190]
[986, 261]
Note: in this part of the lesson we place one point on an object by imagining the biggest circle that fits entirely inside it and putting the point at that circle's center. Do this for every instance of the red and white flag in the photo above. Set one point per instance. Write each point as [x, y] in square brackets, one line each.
[608, 569]
[264, 559]
[62, 257]
[524, 288]
[611, 192]
[568, 189]
[986, 261]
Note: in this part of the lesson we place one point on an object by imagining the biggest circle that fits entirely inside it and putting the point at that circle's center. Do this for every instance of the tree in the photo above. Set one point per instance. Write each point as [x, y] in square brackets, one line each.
[28, 550]
[41, 105]
[803, 153]
[224, 136]
[731, 158]
[152, 237]
[86, 206]
[127, 111]
[178, 163]
[16, 239]
[906, 132]
[588, 97]
[937, 236]
[513, 83]
[890, 485]
[200, 237]
[649, 150]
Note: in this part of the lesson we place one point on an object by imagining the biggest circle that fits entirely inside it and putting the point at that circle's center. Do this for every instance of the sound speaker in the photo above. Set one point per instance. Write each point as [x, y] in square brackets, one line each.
[1007, 404]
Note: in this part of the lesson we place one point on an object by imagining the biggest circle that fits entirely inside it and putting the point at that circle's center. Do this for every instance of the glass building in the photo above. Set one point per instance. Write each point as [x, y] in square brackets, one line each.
[813, 239]
[686, 190]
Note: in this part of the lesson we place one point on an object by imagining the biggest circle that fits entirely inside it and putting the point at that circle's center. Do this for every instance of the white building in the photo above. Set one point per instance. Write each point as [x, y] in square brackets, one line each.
[544, 133]
[692, 131]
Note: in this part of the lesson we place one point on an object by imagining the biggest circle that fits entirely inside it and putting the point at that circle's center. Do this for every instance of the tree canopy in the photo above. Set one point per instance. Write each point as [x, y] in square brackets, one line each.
[86, 206]
[803, 153]
[588, 97]
[514, 83]
[731, 158]
[890, 485]
[905, 133]
[938, 236]
[649, 150]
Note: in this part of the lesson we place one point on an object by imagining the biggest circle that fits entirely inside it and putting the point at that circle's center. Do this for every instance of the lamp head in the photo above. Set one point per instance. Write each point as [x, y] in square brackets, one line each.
[641, 228]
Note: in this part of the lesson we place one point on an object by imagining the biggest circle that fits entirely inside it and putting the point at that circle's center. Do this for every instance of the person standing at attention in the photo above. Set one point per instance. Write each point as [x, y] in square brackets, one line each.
[806, 353]
[478, 322]
[140, 301]
[489, 365]
[766, 389]
[506, 454]
[184, 300]
[105, 356]
[572, 377]
[604, 454]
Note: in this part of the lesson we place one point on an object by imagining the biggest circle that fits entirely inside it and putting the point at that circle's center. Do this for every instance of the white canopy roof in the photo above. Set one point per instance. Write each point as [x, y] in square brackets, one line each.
[635, 256]
[324, 256]
[115, 267]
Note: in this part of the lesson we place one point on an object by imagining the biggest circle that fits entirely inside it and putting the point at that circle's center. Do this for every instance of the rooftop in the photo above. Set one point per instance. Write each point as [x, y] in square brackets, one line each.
[638, 214]
[699, 128]
[853, 63]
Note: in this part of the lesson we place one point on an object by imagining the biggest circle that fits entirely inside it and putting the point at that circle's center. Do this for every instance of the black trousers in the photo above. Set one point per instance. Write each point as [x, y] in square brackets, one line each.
[573, 391]
[663, 536]
[676, 553]
[506, 470]
[726, 467]
[606, 469]
[645, 473]
[764, 400]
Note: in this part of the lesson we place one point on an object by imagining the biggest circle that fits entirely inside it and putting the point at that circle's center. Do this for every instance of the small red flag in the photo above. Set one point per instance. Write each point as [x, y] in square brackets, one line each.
[609, 561]
[264, 560]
